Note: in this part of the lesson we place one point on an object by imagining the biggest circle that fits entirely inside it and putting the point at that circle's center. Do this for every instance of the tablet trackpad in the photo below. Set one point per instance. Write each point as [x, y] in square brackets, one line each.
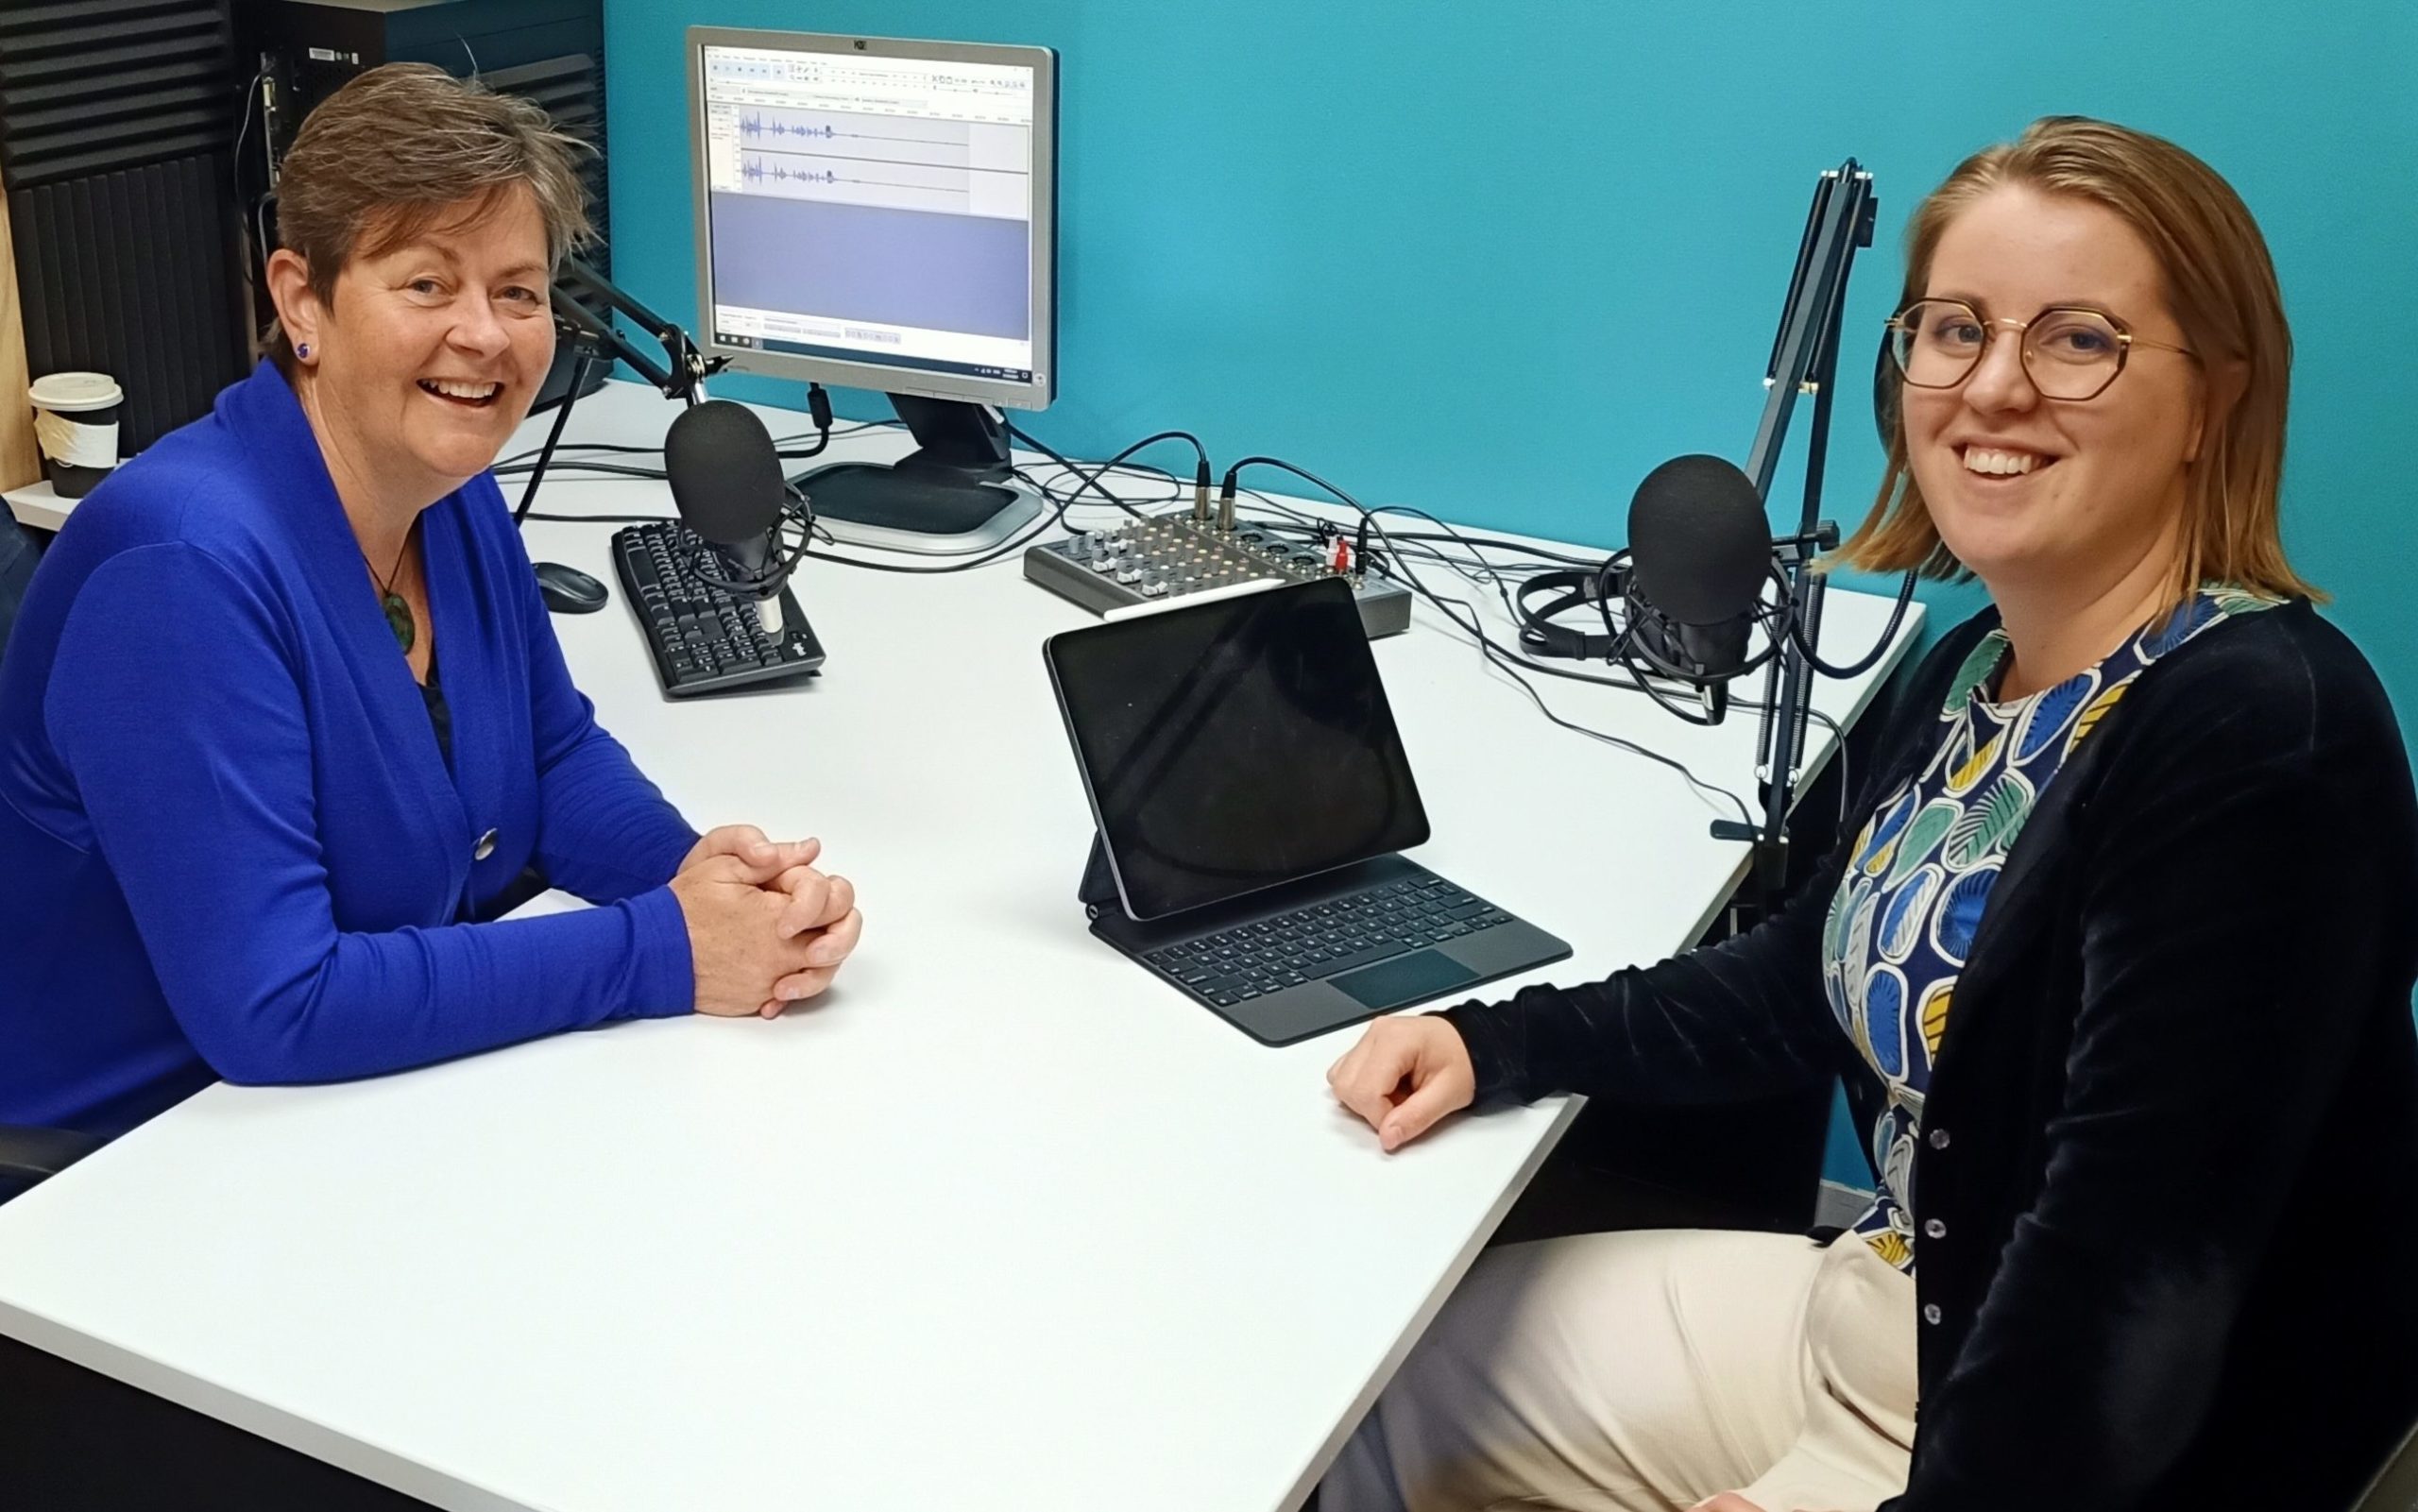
[1411, 979]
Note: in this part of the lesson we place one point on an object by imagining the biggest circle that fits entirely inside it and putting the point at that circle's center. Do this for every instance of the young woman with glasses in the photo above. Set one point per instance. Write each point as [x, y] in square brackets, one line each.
[2116, 966]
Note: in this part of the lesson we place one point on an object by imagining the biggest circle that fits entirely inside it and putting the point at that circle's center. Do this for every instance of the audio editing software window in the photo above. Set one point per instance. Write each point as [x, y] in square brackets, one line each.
[872, 209]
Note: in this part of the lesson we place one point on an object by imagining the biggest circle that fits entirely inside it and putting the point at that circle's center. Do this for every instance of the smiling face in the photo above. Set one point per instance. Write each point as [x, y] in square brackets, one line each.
[430, 353]
[2027, 489]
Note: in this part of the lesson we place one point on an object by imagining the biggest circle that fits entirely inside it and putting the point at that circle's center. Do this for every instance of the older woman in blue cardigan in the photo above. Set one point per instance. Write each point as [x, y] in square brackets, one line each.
[283, 718]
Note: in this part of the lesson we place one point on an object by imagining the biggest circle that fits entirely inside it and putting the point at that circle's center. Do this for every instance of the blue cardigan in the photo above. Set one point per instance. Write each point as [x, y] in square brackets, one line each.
[229, 844]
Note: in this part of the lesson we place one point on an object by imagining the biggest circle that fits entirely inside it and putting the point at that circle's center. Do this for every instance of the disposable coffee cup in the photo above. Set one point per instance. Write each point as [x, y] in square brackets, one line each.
[76, 421]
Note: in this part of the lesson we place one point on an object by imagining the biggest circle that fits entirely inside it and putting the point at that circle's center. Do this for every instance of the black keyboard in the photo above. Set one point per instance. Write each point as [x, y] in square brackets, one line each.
[1324, 939]
[704, 640]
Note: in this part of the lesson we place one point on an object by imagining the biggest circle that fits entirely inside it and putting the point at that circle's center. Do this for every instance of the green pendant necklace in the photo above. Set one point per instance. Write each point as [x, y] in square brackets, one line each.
[399, 613]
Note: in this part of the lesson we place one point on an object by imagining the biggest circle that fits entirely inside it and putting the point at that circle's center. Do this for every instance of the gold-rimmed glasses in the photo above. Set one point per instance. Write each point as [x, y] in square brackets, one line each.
[2070, 352]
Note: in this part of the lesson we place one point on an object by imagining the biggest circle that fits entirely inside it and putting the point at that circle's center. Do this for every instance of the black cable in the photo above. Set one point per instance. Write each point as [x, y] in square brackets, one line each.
[583, 358]
[1870, 658]
[518, 461]
[1069, 499]
[1839, 741]
[1509, 662]
[1485, 576]
[1091, 480]
[818, 409]
[614, 470]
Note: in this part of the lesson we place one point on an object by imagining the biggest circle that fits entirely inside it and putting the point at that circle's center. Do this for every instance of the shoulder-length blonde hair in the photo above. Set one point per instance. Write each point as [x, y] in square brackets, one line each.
[2220, 287]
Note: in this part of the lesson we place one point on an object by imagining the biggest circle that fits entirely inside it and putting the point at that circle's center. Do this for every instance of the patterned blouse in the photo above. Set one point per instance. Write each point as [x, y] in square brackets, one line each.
[1906, 911]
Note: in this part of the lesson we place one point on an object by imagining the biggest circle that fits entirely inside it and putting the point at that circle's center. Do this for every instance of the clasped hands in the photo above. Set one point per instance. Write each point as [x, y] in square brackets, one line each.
[765, 927]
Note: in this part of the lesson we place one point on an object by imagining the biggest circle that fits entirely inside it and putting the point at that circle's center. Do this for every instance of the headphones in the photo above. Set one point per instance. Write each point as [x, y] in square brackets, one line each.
[1886, 383]
[1645, 630]
[1578, 587]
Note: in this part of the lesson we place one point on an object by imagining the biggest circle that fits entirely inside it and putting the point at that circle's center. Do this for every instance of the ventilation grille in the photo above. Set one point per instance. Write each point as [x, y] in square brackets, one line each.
[571, 90]
[131, 274]
[96, 86]
[117, 119]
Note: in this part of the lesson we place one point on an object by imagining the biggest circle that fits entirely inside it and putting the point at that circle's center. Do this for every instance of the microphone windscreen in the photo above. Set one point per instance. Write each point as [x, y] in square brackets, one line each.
[726, 473]
[1699, 546]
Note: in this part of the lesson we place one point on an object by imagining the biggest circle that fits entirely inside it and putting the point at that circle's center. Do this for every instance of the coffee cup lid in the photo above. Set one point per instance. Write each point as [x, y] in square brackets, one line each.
[66, 392]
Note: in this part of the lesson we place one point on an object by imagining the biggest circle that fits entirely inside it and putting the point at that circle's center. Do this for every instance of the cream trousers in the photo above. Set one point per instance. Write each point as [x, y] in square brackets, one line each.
[1644, 1372]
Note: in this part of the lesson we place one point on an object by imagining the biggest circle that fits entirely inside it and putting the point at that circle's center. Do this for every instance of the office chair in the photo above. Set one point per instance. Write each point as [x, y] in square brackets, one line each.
[17, 557]
[28, 1155]
[2395, 1488]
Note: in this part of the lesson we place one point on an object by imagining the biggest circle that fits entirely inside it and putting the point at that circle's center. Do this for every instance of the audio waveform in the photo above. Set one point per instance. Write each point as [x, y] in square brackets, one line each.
[781, 173]
[754, 125]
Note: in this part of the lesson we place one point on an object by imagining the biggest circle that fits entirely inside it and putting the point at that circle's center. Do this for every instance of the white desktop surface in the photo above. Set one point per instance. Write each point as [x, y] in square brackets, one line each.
[1000, 1223]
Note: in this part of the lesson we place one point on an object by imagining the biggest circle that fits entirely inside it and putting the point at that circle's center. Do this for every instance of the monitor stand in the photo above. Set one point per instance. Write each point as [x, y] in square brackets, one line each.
[956, 494]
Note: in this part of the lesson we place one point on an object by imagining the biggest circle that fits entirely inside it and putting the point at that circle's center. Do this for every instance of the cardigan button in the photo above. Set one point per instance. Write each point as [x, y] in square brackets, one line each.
[1933, 1229]
[484, 848]
[1938, 1139]
[1931, 1313]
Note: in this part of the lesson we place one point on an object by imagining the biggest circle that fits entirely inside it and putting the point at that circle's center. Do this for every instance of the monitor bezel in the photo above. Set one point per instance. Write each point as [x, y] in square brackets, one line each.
[1041, 388]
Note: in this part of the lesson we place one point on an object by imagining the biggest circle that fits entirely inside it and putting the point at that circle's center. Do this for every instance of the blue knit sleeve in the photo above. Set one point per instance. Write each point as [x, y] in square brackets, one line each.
[173, 705]
[604, 831]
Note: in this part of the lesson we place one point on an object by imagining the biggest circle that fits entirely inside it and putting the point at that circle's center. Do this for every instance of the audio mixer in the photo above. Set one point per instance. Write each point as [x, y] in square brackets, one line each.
[1153, 561]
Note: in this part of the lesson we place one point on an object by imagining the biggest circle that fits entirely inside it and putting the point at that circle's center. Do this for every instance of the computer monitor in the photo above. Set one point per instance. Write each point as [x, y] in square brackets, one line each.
[882, 214]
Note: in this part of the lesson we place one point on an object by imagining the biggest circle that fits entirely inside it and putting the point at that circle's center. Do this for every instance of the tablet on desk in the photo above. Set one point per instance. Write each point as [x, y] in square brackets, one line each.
[1252, 798]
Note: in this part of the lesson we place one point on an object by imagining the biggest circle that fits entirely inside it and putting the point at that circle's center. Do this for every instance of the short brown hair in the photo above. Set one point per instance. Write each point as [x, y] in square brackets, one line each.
[2220, 287]
[383, 158]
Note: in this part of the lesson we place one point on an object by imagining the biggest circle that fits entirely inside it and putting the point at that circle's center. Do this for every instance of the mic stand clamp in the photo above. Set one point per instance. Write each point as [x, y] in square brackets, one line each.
[680, 373]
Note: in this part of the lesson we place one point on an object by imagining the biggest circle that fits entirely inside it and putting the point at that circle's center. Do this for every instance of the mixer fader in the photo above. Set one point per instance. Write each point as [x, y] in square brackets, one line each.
[1151, 561]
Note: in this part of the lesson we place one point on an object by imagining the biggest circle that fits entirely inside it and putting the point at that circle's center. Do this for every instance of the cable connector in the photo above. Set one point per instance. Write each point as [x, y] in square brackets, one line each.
[1226, 501]
[1342, 556]
[818, 404]
[1201, 491]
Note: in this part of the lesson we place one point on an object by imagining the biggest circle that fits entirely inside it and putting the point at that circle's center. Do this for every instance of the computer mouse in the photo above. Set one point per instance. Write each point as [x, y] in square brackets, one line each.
[568, 590]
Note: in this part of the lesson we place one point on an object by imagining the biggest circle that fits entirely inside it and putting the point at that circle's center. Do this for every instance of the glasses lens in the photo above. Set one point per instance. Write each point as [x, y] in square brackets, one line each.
[1937, 342]
[2072, 353]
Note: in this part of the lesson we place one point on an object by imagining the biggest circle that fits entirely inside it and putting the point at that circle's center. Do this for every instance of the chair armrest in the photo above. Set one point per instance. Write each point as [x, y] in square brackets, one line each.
[28, 1154]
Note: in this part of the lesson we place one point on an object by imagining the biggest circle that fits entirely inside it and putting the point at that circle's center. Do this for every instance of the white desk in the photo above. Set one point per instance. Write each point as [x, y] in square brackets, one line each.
[1001, 1224]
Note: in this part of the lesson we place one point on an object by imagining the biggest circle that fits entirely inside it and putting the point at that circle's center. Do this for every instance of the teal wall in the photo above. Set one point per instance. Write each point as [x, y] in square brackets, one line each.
[1499, 257]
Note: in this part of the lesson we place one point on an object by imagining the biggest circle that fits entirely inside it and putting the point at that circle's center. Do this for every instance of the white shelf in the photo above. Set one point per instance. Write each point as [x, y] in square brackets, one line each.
[39, 505]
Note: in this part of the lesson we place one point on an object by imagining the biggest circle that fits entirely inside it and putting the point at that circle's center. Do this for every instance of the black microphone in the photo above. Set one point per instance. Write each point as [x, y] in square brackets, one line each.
[727, 481]
[1699, 551]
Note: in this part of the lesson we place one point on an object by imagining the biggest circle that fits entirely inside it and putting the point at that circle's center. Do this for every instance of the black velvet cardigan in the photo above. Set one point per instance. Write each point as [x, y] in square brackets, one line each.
[2172, 1128]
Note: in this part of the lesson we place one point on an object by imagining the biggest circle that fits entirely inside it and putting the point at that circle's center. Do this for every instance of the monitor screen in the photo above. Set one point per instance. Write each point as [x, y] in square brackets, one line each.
[864, 208]
[1235, 744]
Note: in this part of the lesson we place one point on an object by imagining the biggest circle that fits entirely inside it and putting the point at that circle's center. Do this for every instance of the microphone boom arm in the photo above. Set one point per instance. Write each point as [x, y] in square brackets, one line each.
[680, 372]
[1804, 360]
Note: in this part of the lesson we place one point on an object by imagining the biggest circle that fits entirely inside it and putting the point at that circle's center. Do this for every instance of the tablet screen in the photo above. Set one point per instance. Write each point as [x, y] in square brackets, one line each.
[1235, 744]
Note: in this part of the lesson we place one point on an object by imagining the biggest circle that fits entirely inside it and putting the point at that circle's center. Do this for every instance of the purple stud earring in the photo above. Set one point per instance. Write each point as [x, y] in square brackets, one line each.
[304, 351]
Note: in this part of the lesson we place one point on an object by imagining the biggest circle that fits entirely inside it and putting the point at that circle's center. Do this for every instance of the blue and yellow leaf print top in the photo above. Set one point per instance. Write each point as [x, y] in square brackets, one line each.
[1904, 918]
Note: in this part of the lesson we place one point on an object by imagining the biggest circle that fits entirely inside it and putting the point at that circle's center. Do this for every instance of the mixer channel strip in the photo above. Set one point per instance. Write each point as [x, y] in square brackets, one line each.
[1153, 561]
